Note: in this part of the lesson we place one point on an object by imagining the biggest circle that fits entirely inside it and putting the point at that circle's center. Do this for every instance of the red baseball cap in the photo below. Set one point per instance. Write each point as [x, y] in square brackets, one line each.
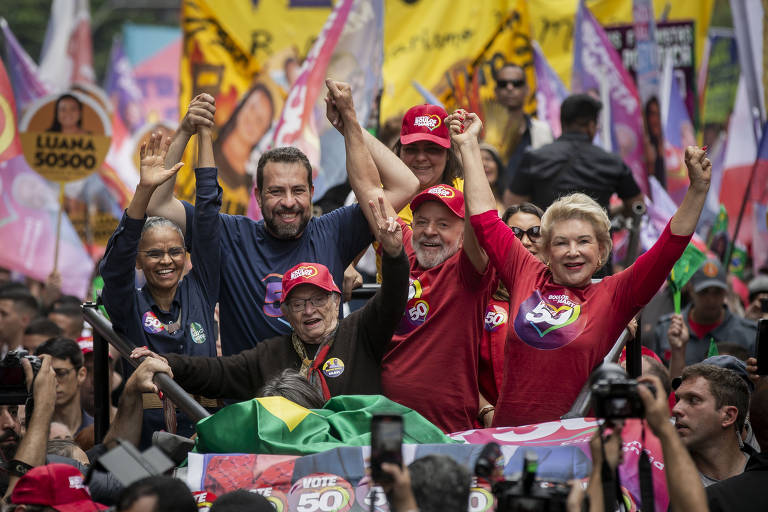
[445, 194]
[59, 486]
[425, 122]
[307, 273]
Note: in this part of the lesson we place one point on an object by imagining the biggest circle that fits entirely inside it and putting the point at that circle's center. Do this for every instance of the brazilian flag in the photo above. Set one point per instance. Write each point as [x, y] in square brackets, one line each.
[689, 262]
[275, 425]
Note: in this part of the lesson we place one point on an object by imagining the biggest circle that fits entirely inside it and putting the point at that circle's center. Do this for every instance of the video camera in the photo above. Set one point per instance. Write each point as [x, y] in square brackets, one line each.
[13, 383]
[614, 394]
[522, 492]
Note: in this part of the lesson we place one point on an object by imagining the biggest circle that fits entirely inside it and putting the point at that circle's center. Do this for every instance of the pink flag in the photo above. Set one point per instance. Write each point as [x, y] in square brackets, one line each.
[28, 211]
[597, 67]
[550, 91]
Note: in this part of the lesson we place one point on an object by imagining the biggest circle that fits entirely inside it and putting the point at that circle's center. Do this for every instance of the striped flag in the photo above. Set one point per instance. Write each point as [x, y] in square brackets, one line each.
[22, 70]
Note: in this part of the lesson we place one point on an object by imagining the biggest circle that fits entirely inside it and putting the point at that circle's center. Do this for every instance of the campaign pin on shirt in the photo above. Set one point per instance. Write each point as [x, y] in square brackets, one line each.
[333, 367]
[151, 323]
[197, 332]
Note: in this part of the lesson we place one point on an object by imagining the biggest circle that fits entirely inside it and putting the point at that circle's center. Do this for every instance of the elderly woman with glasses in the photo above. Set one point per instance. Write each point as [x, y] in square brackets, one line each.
[562, 324]
[169, 314]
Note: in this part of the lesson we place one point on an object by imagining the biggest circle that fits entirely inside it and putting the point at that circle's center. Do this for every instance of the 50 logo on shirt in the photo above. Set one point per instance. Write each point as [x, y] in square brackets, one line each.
[549, 323]
[417, 309]
[152, 324]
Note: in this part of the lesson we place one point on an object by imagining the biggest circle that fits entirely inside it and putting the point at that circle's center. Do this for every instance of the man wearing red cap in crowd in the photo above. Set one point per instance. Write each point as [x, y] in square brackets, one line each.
[57, 486]
[338, 357]
[440, 330]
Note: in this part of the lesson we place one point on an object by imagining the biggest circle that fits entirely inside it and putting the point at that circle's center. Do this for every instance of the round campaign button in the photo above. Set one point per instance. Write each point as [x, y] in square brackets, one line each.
[333, 367]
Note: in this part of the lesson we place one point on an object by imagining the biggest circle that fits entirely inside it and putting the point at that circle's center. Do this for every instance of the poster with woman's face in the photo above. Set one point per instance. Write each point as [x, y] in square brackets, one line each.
[65, 137]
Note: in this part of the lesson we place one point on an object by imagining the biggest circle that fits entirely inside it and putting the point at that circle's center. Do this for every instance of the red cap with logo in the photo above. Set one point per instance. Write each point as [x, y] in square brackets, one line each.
[59, 486]
[425, 122]
[307, 273]
[445, 194]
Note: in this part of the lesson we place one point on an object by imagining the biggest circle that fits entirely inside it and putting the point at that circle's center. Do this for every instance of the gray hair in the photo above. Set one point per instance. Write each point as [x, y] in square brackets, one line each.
[292, 385]
[161, 222]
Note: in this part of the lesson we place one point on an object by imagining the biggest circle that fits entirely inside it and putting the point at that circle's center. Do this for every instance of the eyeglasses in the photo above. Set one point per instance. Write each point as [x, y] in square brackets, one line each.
[534, 233]
[318, 301]
[61, 373]
[175, 253]
[503, 84]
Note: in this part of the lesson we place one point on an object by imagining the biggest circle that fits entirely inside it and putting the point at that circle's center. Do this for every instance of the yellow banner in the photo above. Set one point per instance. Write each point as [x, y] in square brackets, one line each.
[245, 54]
[436, 44]
[552, 24]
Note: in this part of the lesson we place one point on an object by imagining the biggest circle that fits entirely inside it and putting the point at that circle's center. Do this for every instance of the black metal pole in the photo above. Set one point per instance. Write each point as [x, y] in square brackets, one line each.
[101, 395]
[171, 389]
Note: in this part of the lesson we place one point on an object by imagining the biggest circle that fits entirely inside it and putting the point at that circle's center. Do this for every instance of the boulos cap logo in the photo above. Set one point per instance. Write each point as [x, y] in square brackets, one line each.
[442, 191]
[305, 271]
[709, 269]
[430, 122]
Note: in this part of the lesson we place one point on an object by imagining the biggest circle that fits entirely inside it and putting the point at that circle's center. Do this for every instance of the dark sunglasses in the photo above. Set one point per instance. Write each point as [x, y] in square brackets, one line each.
[533, 233]
[503, 84]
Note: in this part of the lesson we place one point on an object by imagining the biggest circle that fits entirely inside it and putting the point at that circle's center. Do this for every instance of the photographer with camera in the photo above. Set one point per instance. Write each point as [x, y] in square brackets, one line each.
[684, 487]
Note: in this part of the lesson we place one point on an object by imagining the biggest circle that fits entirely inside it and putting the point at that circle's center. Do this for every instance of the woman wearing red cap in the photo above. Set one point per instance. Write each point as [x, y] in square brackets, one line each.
[562, 324]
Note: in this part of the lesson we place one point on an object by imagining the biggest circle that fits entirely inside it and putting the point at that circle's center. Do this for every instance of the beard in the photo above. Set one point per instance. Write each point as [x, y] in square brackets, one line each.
[282, 230]
[429, 258]
[9, 449]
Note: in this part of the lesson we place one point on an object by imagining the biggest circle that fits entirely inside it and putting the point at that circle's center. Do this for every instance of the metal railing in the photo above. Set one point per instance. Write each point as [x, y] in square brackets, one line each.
[104, 334]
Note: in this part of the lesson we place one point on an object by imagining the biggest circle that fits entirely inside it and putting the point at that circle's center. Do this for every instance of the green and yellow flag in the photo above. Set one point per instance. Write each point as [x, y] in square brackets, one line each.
[275, 425]
[689, 262]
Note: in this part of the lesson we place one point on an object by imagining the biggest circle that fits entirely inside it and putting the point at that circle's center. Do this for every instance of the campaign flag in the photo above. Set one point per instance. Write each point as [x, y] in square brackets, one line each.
[678, 133]
[278, 426]
[22, 70]
[67, 55]
[596, 66]
[550, 91]
[10, 144]
[356, 60]
[721, 77]
[122, 88]
[646, 50]
[28, 211]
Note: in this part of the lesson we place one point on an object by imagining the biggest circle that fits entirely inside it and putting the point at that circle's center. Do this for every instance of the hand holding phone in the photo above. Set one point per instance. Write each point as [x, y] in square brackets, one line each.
[386, 444]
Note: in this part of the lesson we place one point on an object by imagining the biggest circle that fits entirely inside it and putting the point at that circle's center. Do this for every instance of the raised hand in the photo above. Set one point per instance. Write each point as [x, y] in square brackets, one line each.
[677, 333]
[340, 108]
[464, 126]
[200, 114]
[152, 171]
[388, 231]
[699, 167]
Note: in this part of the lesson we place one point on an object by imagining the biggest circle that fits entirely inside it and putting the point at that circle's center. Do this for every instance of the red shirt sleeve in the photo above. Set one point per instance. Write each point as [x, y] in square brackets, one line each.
[506, 253]
[639, 283]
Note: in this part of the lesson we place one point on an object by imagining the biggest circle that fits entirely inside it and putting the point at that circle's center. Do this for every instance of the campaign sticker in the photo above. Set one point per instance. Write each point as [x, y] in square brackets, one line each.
[151, 323]
[333, 367]
[197, 332]
[495, 317]
[321, 491]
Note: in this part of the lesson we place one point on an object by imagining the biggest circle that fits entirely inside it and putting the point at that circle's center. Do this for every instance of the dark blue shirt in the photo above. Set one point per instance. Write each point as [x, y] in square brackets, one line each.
[135, 313]
[253, 262]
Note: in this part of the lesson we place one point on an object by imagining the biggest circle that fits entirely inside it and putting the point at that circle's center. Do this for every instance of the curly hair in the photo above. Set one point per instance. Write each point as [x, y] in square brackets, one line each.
[582, 207]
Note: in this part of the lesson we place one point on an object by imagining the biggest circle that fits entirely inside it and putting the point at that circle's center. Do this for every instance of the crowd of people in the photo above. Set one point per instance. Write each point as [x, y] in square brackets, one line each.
[498, 298]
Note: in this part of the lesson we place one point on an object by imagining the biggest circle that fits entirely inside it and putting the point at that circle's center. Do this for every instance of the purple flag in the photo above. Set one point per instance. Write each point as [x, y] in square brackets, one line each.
[596, 67]
[550, 91]
[647, 65]
[122, 88]
[22, 70]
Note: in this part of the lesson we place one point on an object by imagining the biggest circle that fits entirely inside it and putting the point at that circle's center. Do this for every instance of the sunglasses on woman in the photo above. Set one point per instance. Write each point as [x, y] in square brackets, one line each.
[534, 233]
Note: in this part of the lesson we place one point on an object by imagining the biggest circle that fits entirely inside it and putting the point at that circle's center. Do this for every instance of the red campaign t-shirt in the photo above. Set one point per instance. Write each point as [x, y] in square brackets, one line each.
[558, 334]
[494, 338]
[432, 362]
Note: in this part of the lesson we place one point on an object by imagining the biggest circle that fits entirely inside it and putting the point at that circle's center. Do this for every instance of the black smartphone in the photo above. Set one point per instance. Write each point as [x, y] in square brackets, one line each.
[386, 443]
[764, 304]
[762, 346]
